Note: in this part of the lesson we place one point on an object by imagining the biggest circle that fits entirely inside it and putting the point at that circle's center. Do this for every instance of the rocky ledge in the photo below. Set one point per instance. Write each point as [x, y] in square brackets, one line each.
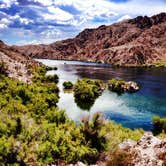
[148, 151]
[15, 64]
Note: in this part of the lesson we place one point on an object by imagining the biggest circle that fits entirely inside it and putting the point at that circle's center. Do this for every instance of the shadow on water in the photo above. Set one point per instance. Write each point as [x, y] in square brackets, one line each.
[84, 105]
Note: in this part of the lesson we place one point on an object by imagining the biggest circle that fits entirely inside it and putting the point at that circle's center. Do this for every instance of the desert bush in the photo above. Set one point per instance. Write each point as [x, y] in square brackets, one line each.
[92, 132]
[159, 124]
[50, 78]
[51, 68]
[116, 85]
[88, 90]
[160, 64]
[67, 85]
[3, 68]
[39, 75]
[120, 158]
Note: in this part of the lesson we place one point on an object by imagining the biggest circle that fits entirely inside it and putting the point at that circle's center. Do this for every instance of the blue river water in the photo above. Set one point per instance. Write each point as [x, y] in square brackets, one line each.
[131, 110]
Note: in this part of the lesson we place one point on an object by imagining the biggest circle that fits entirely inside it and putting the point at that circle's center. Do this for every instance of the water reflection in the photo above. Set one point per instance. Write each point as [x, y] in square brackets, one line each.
[131, 110]
[84, 105]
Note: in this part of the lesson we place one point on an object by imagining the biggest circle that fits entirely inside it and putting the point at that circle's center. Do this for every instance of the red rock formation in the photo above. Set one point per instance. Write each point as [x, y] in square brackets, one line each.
[132, 42]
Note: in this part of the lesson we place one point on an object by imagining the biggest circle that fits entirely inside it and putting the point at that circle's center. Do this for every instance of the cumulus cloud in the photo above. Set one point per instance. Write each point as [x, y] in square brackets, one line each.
[134, 7]
[3, 26]
[25, 21]
[58, 19]
[8, 3]
[125, 17]
[4, 22]
[58, 14]
[44, 2]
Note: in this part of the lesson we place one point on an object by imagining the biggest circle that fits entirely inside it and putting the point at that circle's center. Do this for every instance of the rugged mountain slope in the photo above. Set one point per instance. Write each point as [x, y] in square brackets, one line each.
[14, 64]
[137, 41]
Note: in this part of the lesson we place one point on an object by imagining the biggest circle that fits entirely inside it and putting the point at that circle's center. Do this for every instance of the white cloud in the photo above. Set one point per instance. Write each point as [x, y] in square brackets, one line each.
[51, 33]
[3, 26]
[44, 2]
[125, 17]
[139, 7]
[21, 33]
[8, 3]
[4, 22]
[22, 20]
[25, 42]
[36, 41]
[90, 8]
[25, 21]
[107, 10]
[56, 13]
[131, 7]
[2, 5]
[14, 17]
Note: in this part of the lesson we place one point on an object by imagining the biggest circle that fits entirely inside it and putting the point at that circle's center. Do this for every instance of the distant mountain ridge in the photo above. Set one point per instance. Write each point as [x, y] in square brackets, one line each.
[134, 42]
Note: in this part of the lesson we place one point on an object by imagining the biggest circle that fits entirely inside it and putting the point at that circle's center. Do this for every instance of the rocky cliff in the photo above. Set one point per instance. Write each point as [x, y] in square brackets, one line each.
[138, 41]
[15, 64]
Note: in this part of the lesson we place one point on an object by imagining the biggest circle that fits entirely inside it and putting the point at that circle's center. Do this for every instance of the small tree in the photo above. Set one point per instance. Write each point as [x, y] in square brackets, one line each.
[3, 68]
[92, 131]
[159, 125]
[67, 85]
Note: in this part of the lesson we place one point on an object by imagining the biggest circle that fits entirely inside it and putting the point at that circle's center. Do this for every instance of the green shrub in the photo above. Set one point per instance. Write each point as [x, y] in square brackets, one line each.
[88, 90]
[50, 78]
[84, 92]
[67, 85]
[119, 158]
[24, 95]
[116, 85]
[159, 124]
[39, 75]
[92, 132]
[51, 68]
[3, 68]
[160, 64]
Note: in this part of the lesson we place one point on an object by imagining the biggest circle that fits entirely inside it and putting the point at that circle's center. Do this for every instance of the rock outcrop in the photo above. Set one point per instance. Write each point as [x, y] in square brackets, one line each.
[121, 86]
[148, 151]
[15, 64]
[131, 87]
[135, 42]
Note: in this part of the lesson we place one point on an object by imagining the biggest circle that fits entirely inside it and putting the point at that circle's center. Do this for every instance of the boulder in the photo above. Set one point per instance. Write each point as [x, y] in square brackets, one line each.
[121, 86]
[131, 87]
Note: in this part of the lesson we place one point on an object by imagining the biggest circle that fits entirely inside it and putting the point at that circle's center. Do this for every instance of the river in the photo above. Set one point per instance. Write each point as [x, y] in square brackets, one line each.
[131, 110]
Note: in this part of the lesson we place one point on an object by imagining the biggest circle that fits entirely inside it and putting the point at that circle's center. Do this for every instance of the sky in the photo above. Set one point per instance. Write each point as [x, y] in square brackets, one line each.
[46, 21]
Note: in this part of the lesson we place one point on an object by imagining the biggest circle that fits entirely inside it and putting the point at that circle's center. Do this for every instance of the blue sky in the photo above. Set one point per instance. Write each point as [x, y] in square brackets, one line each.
[45, 21]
